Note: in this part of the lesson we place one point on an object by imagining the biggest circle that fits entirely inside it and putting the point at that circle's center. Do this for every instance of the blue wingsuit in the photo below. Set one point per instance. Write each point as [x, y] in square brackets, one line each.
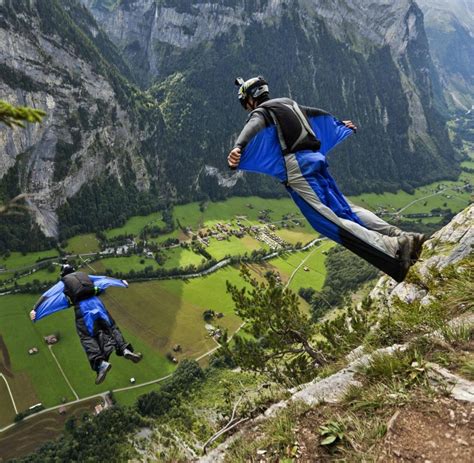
[304, 172]
[98, 333]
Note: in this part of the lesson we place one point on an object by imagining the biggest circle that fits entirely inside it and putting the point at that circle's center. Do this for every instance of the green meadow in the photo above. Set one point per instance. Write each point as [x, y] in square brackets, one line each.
[174, 258]
[234, 246]
[168, 312]
[82, 244]
[189, 215]
[35, 377]
[136, 224]
[18, 260]
[423, 200]
[40, 275]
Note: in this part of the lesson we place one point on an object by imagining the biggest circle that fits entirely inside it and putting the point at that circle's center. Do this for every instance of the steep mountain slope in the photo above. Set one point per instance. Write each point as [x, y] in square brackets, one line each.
[54, 57]
[107, 150]
[450, 29]
[365, 60]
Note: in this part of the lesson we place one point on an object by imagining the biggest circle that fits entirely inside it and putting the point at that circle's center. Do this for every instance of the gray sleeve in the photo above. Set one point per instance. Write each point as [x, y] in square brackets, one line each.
[255, 123]
[312, 112]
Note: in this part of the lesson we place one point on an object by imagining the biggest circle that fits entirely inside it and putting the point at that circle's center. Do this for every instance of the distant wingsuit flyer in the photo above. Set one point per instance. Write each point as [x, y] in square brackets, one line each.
[98, 333]
[291, 142]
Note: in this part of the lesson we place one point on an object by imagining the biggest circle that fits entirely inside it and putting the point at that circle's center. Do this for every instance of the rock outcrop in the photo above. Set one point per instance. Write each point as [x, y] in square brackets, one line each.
[447, 246]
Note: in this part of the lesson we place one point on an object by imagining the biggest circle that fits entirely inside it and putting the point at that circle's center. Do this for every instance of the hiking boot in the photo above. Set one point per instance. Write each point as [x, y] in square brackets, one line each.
[418, 240]
[135, 357]
[406, 245]
[103, 370]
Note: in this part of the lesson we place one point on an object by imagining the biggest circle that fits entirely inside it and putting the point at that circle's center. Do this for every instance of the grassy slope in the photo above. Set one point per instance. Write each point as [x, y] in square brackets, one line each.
[7, 412]
[36, 378]
[18, 260]
[135, 224]
[82, 244]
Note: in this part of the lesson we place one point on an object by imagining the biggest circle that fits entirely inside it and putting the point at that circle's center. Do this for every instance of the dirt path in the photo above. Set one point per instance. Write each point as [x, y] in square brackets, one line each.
[5, 364]
[9, 392]
[440, 431]
[62, 372]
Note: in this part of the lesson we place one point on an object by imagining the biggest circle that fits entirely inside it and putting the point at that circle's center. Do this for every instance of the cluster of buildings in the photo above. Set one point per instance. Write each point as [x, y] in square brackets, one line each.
[220, 232]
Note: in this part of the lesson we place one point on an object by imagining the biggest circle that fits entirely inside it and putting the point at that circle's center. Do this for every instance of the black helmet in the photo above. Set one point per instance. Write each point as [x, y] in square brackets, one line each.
[254, 87]
[66, 269]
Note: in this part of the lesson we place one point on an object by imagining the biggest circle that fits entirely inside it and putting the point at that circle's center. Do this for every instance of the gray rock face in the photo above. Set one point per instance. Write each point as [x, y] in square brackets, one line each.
[84, 120]
[450, 31]
[144, 28]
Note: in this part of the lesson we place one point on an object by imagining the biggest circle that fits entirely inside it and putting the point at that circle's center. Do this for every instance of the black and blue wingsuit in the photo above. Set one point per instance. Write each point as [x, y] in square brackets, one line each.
[97, 331]
[291, 142]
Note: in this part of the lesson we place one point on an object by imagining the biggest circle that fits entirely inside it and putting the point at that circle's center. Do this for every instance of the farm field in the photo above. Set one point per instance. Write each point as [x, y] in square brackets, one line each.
[17, 260]
[234, 247]
[297, 234]
[7, 412]
[82, 244]
[25, 437]
[433, 198]
[135, 225]
[169, 312]
[174, 258]
[32, 378]
[40, 275]
[189, 215]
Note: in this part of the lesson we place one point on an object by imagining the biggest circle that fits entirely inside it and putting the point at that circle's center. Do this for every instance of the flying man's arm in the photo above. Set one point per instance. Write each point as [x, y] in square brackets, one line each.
[255, 123]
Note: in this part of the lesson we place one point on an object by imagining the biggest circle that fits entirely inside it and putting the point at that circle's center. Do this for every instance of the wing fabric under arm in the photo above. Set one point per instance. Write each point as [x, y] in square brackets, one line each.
[51, 301]
[263, 155]
[329, 130]
[103, 282]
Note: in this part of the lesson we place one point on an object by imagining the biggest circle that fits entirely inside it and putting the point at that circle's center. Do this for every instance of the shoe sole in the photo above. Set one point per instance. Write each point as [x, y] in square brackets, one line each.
[404, 257]
[418, 248]
[133, 358]
[101, 380]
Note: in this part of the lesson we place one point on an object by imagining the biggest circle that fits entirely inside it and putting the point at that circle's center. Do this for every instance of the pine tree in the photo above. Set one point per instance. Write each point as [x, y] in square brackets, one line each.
[281, 335]
[16, 115]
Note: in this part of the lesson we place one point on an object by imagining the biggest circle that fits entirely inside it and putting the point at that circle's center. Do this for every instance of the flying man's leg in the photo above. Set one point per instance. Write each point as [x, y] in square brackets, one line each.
[389, 254]
[89, 344]
[116, 340]
[374, 222]
[120, 343]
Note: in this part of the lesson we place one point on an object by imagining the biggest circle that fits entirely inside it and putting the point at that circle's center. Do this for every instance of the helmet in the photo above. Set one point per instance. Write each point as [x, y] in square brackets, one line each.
[66, 269]
[254, 87]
